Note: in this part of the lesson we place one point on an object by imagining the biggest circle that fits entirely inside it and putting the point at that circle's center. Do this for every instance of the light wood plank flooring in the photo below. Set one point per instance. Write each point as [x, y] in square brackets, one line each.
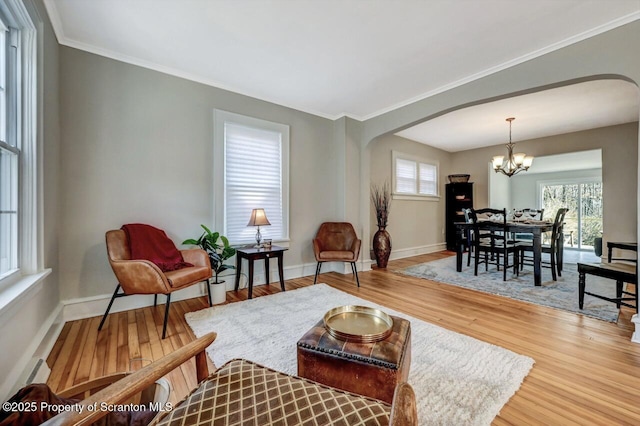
[586, 372]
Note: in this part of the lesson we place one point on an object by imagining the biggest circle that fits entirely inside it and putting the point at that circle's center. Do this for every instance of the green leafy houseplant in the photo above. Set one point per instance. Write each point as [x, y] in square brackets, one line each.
[217, 247]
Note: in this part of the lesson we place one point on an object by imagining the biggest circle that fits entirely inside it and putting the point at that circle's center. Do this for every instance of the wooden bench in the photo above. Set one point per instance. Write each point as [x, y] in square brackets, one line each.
[620, 272]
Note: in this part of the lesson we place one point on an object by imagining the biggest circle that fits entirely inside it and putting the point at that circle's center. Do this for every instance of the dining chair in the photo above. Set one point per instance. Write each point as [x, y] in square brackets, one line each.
[469, 236]
[552, 249]
[493, 243]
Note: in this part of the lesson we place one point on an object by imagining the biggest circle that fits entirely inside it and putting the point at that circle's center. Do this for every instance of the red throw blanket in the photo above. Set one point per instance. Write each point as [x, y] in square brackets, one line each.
[149, 243]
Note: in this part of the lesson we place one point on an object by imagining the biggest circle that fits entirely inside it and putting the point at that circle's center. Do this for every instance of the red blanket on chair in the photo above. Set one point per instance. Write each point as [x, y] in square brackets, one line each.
[149, 243]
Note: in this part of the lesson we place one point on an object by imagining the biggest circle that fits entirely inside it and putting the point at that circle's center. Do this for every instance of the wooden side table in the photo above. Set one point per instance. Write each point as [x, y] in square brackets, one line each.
[251, 254]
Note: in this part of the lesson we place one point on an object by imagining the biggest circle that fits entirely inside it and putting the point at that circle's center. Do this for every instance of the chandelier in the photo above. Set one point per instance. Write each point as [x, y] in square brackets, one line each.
[515, 163]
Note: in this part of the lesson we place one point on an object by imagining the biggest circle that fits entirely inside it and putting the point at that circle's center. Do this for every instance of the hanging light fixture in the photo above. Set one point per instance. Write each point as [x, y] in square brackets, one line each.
[515, 163]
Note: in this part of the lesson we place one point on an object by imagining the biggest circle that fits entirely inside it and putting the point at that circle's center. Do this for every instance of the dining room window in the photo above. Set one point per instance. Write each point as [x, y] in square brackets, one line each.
[414, 177]
[583, 221]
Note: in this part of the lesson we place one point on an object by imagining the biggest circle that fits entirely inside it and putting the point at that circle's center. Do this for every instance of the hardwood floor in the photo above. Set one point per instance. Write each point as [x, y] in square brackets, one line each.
[586, 372]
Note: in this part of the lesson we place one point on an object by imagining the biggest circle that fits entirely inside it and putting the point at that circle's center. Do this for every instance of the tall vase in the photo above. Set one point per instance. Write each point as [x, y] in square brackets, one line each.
[382, 246]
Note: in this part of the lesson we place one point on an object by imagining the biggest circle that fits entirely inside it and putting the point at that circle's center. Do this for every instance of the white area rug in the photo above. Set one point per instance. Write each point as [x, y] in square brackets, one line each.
[458, 380]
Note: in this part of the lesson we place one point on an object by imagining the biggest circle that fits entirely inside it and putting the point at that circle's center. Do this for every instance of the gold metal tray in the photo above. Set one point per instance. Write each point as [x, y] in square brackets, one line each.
[358, 323]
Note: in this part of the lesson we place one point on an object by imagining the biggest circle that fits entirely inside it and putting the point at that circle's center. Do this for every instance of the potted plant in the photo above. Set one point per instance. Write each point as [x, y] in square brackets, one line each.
[381, 199]
[218, 252]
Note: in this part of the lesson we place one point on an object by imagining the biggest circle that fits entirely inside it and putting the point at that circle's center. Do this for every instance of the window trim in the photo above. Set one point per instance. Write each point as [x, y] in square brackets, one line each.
[219, 186]
[395, 155]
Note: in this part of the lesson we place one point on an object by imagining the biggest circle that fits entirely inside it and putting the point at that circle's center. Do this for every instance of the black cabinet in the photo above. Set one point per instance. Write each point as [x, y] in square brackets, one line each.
[458, 196]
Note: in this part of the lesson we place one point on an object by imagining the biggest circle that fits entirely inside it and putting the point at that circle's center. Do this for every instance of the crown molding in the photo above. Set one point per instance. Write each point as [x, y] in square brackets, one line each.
[63, 40]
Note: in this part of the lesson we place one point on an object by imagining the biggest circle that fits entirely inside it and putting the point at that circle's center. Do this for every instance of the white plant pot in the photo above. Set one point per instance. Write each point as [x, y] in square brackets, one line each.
[218, 293]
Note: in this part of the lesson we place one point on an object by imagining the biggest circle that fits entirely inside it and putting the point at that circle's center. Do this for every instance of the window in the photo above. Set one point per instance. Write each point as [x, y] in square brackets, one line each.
[9, 148]
[18, 144]
[414, 177]
[251, 171]
[583, 198]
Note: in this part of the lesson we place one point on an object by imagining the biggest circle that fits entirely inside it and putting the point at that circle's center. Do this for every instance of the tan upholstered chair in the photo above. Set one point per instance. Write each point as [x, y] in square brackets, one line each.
[144, 277]
[336, 242]
[242, 392]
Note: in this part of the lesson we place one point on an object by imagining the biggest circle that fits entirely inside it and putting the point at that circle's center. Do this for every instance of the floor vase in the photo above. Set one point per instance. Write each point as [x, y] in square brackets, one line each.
[382, 246]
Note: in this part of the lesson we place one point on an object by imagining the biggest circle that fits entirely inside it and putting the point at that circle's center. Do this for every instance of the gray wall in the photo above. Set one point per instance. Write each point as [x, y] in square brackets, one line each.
[137, 147]
[413, 224]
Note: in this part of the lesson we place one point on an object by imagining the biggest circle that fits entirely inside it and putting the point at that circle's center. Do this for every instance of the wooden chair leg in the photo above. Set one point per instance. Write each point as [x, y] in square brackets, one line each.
[166, 315]
[619, 285]
[559, 262]
[477, 260]
[505, 257]
[104, 317]
[581, 286]
[355, 272]
[553, 266]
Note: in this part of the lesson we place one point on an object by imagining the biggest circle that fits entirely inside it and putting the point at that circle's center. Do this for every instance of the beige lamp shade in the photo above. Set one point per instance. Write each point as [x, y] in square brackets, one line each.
[258, 218]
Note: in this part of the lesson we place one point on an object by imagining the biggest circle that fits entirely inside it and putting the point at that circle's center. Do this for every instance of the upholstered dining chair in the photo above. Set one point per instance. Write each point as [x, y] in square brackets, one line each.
[336, 242]
[145, 277]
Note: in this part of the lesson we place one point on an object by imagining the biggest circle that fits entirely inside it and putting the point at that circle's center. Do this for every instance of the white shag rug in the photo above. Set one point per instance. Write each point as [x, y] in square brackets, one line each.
[458, 380]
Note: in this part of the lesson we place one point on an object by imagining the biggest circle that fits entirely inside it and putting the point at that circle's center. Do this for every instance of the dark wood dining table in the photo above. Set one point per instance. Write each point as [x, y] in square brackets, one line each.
[536, 228]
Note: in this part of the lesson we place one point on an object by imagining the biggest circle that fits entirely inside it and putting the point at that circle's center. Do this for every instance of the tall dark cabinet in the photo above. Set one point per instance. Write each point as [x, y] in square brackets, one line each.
[458, 196]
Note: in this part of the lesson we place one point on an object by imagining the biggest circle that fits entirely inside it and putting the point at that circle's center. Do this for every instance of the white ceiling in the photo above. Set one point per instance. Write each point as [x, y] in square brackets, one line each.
[567, 109]
[333, 57]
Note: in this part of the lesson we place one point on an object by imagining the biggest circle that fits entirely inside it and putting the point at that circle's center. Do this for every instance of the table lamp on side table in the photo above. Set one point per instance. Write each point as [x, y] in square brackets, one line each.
[258, 218]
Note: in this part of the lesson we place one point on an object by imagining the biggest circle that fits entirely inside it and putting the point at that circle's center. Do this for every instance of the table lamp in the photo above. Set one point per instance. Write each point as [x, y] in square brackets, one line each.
[258, 218]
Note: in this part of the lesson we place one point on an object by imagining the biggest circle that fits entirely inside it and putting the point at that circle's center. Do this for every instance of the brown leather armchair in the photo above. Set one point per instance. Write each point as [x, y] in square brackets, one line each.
[144, 277]
[336, 242]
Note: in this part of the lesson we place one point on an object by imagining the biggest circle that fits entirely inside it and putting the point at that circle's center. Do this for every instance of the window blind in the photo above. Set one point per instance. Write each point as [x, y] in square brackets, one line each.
[253, 179]
[406, 176]
[428, 179]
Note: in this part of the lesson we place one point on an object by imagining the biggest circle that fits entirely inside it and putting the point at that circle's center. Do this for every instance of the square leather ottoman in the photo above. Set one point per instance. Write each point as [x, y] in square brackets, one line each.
[371, 369]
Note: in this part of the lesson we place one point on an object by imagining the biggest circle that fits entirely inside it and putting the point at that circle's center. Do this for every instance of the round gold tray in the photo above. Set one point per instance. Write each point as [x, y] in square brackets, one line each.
[358, 323]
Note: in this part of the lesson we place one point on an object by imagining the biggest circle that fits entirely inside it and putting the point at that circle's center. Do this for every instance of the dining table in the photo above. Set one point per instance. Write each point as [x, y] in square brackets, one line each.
[534, 227]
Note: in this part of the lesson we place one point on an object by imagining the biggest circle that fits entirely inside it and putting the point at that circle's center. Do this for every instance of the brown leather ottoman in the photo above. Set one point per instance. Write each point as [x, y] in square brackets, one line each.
[371, 369]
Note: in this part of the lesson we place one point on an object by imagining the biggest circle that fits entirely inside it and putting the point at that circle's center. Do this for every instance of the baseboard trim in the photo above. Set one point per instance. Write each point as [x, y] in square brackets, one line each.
[415, 251]
[635, 319]
[44, 339]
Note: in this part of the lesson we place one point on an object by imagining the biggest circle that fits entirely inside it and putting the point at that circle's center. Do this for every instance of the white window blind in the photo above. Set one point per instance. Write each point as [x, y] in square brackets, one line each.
[251, 171]
[253, 179]
[428, 179]
[406, 176]
[414, 177]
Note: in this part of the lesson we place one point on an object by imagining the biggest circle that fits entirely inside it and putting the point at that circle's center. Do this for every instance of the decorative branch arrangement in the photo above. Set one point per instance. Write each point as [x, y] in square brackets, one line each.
[381, 199]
